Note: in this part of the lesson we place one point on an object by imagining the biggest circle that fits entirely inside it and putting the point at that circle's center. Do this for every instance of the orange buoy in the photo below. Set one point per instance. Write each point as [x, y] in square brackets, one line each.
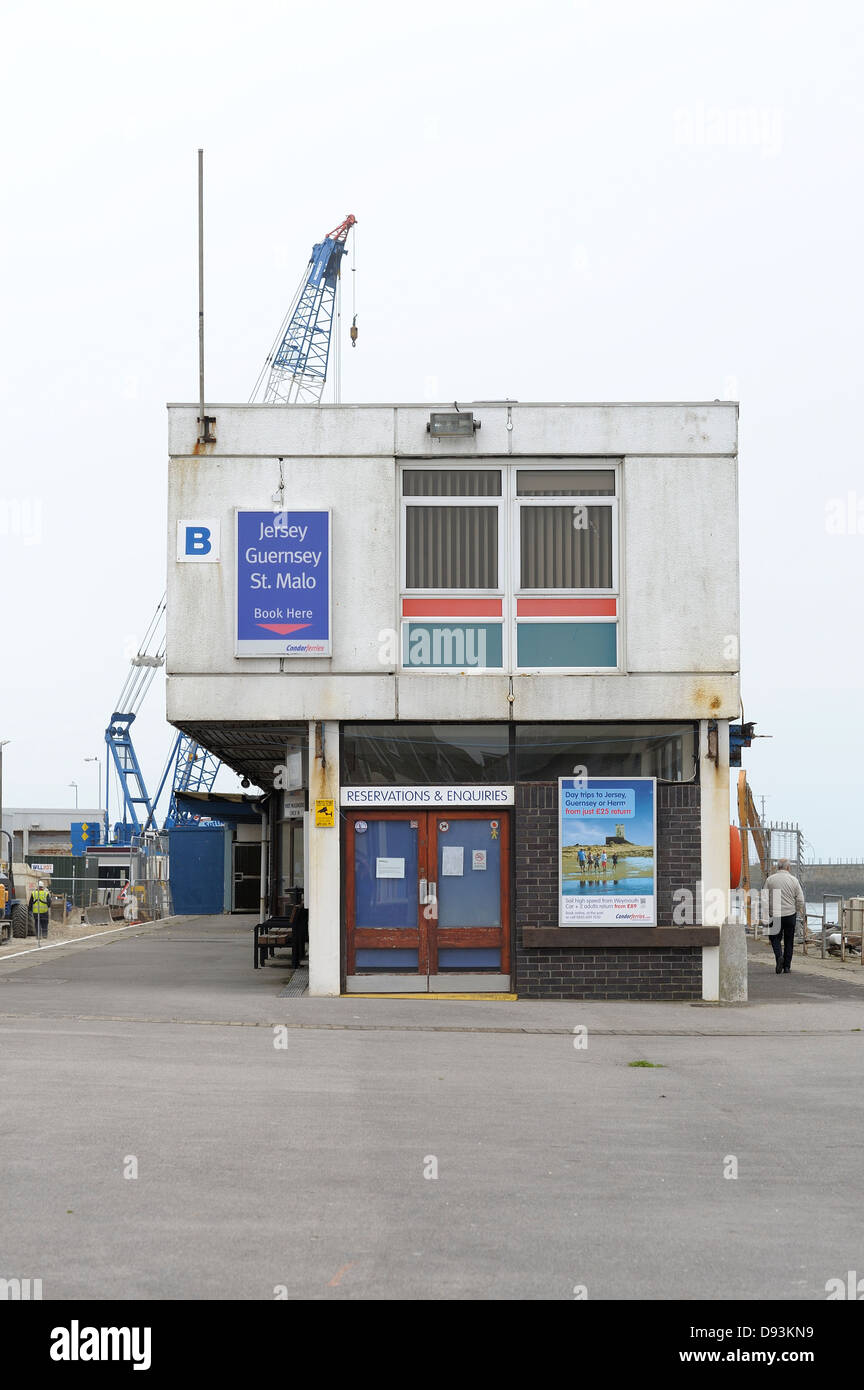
[735, 857]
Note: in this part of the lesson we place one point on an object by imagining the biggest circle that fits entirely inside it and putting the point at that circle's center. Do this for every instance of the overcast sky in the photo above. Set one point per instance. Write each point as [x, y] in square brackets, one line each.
[565, 200]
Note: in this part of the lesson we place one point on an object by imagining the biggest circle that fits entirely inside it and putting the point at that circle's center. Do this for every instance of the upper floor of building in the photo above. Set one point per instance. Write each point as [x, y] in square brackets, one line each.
[459, 571]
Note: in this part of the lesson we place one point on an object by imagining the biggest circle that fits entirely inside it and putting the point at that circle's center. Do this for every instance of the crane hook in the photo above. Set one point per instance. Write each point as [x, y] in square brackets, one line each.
[354, 331]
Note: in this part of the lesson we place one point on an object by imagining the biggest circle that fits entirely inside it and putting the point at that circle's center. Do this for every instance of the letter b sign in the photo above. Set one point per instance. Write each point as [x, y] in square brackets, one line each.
[198, 540]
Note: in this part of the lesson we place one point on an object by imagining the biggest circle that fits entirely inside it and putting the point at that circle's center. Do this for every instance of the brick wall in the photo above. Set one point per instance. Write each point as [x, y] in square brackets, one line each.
[602, 972]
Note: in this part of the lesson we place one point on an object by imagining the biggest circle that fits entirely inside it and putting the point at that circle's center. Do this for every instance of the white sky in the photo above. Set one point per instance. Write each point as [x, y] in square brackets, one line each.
[565, 200]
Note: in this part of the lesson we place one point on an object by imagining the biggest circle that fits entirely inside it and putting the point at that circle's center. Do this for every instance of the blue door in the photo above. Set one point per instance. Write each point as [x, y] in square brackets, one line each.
[427, 901]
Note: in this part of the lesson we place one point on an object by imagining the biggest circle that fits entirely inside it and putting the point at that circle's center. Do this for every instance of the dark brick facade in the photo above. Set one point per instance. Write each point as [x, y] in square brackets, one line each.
[603, 972]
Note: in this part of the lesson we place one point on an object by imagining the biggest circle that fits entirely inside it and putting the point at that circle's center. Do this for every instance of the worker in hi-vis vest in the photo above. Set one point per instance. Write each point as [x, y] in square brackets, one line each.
[39, 905]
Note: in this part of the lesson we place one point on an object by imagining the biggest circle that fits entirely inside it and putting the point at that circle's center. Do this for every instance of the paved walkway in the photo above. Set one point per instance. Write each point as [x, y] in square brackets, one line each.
[292, 1142]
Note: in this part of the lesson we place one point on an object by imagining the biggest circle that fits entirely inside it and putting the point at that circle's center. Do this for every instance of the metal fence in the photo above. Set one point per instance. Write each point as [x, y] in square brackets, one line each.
[149, 875]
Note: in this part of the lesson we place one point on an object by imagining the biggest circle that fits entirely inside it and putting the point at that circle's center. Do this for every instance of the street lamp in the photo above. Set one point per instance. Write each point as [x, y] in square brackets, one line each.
[75, 785]
[98, 762]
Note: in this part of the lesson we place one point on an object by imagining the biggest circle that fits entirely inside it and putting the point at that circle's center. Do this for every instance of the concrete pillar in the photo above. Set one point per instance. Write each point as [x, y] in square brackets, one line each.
[714, 816]
[265, 865]
[711, 972]
[733, 963]
[324, 885]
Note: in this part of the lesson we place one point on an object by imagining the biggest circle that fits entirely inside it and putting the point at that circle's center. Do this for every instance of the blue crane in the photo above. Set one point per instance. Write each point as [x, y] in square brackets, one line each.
[296, 366]
[295, 372]
[190, 766]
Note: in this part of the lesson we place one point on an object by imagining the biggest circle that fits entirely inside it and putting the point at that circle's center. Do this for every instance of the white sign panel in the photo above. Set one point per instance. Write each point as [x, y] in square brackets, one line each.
[198, 540]
[389, 868]
[452, 797]
[452, 859]
[42, 868]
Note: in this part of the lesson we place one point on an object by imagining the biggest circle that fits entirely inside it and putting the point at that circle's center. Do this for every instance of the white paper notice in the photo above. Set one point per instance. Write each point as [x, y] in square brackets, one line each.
[389, 868]
[478, 859]
[451, 861]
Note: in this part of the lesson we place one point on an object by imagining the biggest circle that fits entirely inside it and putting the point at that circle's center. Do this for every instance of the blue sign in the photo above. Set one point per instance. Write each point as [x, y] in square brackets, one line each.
[607, 851]
[198, 540]
[283, 583]
[84, 835]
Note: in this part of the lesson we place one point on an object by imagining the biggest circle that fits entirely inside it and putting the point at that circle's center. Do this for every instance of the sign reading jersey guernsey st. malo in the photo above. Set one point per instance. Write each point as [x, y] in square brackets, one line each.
[283, 583]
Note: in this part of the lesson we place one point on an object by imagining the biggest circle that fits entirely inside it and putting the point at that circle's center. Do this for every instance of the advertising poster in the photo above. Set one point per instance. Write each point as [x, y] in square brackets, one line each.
[607, 843]
[283, 584]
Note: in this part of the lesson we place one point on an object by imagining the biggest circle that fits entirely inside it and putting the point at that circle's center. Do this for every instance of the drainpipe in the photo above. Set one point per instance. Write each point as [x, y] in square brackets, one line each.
[265, 844]
[323, 895]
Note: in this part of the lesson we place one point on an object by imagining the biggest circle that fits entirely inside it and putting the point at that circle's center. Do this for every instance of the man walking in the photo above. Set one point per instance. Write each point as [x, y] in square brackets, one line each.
[40, 905]
[785, 901]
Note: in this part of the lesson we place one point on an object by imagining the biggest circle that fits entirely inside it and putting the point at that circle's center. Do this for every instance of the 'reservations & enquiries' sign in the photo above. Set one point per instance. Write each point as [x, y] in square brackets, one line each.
[453, 796]
[283, 583]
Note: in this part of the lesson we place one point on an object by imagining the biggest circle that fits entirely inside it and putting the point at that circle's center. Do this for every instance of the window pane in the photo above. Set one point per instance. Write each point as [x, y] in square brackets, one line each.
[386, 901]
[468, 958]
[459, 646]
[471, 898]
[454, 482]
[382, 958]
[565, 482]
[380, 755]
[451, 547]
[566, 547]
[545, 752]
[566, 644]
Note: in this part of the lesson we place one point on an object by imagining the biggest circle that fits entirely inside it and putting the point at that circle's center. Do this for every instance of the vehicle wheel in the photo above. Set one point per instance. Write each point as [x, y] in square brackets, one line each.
[31, 924]
[19, 920]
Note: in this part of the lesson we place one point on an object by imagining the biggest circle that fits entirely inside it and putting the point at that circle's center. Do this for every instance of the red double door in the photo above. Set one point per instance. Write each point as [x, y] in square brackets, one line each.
[428, 900]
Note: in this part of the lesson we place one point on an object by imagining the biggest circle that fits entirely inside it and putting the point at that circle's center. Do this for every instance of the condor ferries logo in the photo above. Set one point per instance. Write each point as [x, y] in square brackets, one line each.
[283, 584]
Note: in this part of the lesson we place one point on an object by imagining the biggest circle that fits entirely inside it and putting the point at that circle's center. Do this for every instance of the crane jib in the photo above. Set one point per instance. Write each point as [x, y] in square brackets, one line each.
[326, 259]
[296, 367]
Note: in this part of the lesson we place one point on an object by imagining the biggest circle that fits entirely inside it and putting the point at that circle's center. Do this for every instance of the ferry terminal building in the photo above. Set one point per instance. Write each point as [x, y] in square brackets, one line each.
[447, 644]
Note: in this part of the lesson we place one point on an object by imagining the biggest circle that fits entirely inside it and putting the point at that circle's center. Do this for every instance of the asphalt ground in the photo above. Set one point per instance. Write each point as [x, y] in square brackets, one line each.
[174, 1127]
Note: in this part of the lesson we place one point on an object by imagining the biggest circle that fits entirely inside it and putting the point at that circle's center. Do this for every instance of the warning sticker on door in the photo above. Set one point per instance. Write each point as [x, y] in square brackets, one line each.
[478, 859]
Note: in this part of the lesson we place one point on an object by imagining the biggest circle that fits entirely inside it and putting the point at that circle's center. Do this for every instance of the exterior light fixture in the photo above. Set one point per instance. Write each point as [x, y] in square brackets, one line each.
[461, 424]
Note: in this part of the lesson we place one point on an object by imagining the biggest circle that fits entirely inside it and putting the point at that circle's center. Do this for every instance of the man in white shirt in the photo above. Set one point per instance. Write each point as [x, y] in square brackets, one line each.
[785, 902]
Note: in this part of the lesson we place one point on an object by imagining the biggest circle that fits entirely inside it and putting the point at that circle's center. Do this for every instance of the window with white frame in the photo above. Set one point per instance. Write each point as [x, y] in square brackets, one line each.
[510, 567]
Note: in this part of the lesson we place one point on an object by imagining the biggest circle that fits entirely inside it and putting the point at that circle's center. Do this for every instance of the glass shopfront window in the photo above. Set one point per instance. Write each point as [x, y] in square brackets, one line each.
[376, 755]
[416, 754]
[545, 752]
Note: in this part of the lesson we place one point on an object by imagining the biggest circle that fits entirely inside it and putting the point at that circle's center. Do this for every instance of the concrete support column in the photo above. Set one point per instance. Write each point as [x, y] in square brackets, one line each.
[265, 866]
[714, 797]
[324, 887]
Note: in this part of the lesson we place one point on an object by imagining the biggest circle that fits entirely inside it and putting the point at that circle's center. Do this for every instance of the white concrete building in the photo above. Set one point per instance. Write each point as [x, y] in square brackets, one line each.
[45, 830]
[551, 592]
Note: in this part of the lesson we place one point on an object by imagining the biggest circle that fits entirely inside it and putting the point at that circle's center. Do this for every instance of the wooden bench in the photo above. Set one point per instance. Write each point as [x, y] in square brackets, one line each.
[281, 932]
